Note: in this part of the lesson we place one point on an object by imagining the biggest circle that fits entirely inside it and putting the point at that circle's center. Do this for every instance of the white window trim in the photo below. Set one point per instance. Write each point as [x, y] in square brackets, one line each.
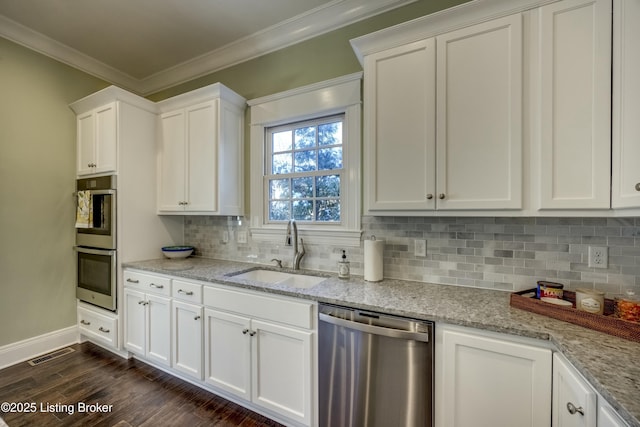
[335, 96]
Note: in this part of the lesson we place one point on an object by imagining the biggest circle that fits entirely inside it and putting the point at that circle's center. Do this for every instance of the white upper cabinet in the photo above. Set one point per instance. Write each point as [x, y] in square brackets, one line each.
[626, 104]
[575, 105]
[443, 131]
[479, 110]
[200, 153]
[97, 140]
[399, 88]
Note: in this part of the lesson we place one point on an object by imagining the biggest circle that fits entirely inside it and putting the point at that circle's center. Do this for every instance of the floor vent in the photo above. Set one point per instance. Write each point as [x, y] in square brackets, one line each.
[50, 356]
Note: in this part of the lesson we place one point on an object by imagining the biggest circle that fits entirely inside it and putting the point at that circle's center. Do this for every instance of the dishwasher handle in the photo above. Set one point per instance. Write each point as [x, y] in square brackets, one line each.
[376, 330]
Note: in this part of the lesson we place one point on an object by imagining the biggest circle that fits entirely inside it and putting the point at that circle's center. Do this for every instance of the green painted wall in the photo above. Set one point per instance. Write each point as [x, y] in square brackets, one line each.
[37, 158]
[37, 179]
[311, 61]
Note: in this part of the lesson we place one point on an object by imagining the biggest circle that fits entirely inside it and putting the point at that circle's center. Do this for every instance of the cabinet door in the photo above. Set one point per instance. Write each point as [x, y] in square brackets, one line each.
[575, 104]
[399, 128]
[626, 104]
[187, 336]
[158, 329]
[172, 173]
[86, 143]
[574, 400]
[202, 157]
[134, 321]
[282, 370]
[607, 416]
[106, 151]
[485, 381]
[227, 352]
[479, 127]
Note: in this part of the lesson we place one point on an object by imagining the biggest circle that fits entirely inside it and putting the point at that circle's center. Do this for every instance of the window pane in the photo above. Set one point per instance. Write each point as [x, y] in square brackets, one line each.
[305, 137]
[328, 186]
[281, 163]
[302, 187]
[328, 210]
[303, 210]
[330, 134]
[330, 158]
[279, 211]
[281, 141]
[305, 161]
[279, 189]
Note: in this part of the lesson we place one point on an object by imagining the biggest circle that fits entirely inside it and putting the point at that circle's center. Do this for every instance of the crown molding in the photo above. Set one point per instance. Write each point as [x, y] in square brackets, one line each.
[333, 15]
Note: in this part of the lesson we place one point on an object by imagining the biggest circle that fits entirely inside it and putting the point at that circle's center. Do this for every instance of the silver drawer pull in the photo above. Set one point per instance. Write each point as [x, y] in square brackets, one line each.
[84, 322]
[153, 285]
[245, 331]
[133, 281]
[572, 409]
[101, 329]
[180, 291]
[196, 318]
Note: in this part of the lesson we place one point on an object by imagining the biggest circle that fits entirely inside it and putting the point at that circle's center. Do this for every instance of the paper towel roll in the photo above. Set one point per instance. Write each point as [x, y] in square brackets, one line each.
[373, 260]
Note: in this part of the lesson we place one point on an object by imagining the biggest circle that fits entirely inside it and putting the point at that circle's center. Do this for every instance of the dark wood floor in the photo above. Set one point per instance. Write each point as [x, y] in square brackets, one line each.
[140, 394]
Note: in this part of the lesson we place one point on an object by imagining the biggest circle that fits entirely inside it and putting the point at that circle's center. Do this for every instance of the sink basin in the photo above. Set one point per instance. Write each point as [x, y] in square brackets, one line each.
[281, 278]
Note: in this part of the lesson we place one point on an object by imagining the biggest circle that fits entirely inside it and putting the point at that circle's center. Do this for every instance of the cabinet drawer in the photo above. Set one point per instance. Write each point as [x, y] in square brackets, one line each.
[295, 313]
[187, 291]
[148, 283]
[99, 326]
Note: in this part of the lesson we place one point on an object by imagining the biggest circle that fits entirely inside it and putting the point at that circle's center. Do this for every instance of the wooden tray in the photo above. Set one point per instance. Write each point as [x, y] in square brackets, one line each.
[599, 322]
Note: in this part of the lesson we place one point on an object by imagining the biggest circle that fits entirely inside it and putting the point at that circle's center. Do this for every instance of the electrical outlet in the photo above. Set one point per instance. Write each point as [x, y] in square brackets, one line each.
[420, 248]
[242, 236]
[598, 256]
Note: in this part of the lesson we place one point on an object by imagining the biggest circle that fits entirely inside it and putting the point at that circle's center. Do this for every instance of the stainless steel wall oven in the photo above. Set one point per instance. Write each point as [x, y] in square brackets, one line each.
[96, 212]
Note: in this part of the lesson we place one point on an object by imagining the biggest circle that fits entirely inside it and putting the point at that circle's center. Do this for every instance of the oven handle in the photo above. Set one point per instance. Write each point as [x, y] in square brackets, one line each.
[91, 251]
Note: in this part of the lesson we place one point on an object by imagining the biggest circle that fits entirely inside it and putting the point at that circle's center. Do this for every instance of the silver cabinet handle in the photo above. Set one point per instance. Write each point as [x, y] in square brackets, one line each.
[252, 333]
[441, 196]
[638, 186]
[429, 196]
[572, 409]
[84, 322]
[153, 285]
[101, 329]
[180, 291]
[133, 281]
[196, 318]
[245, 331]
[143, 302]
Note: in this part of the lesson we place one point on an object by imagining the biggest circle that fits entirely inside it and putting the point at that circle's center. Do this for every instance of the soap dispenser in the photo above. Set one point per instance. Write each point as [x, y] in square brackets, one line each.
[343, 266]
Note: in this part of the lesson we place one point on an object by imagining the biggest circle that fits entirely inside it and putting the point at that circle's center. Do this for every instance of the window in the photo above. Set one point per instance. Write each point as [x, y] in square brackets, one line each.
[304, 171]
[305, 162]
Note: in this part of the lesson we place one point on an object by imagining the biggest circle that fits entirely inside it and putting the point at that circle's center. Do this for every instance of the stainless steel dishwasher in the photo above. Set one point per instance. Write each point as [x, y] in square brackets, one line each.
[375, 370]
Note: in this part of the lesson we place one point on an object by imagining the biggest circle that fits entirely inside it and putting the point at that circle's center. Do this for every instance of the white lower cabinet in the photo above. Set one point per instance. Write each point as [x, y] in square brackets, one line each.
[97, 324]
[483, 380]
[148, 325]
[260, 348]
[575, 401]
[187, 338]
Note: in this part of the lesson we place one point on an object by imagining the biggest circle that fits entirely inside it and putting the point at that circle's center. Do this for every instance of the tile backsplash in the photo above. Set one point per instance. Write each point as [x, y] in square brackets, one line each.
[497, 253]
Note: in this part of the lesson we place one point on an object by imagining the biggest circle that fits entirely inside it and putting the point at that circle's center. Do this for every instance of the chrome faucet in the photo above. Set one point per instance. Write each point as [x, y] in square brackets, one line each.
[297, 255]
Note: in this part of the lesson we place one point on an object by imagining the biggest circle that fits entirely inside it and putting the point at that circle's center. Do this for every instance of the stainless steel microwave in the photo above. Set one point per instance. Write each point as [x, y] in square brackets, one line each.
[99, 227]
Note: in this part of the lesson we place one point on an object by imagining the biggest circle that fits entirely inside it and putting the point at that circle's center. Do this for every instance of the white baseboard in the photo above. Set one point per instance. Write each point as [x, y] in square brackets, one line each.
[20, 351]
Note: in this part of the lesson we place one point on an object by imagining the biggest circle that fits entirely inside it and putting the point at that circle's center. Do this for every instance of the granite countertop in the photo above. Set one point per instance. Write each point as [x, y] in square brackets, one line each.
[610, 364]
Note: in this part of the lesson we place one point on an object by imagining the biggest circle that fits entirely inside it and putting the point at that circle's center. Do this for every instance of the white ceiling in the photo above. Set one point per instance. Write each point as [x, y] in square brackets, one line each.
[149, 45]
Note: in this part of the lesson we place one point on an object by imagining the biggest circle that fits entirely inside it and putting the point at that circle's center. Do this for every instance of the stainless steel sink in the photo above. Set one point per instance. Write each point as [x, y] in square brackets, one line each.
[281, 278]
